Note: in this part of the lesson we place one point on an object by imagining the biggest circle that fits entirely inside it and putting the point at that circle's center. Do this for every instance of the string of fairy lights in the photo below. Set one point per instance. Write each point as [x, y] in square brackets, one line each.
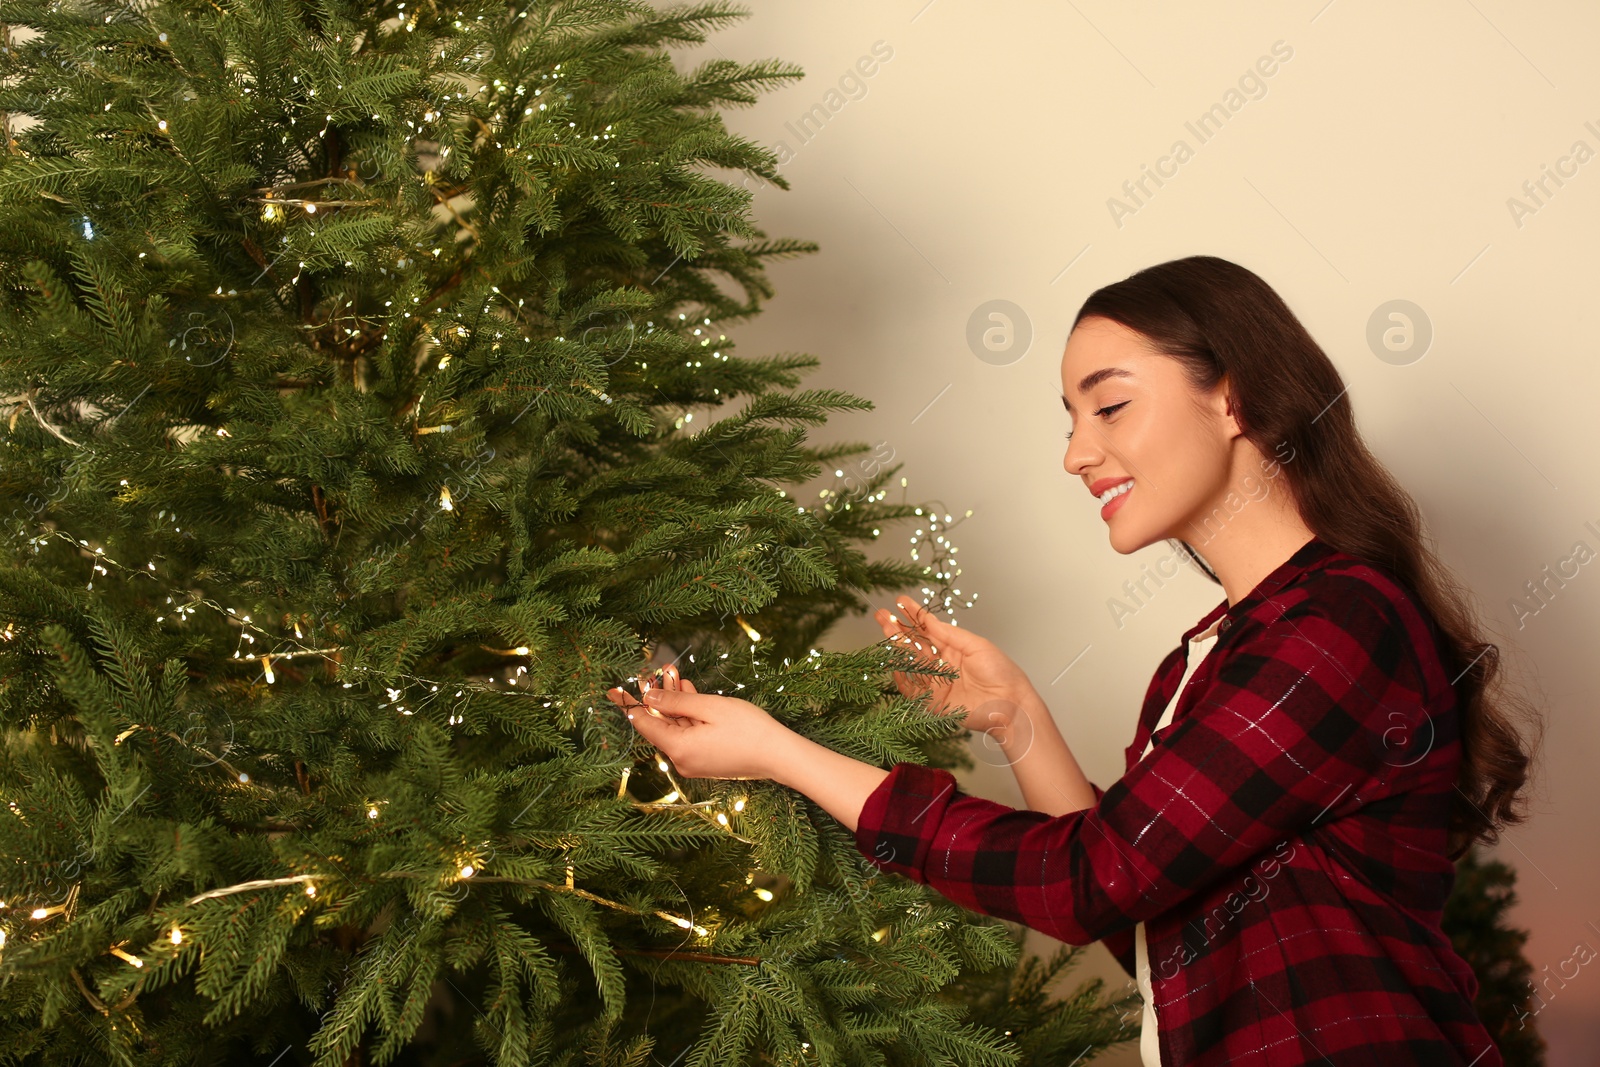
[257, 646]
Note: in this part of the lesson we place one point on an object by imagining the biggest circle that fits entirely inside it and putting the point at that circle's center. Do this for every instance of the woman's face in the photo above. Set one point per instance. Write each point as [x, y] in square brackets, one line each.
[1136, 419]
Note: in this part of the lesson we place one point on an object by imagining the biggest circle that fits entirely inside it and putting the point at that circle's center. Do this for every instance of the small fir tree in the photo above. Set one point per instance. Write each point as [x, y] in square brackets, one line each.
[1476, 916]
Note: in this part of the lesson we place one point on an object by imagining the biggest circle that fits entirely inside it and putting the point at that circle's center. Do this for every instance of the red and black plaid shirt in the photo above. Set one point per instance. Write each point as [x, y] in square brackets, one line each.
[1284, 842]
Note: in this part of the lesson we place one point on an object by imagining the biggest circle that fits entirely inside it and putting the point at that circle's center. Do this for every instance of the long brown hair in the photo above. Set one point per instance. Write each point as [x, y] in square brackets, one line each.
[1221, 321]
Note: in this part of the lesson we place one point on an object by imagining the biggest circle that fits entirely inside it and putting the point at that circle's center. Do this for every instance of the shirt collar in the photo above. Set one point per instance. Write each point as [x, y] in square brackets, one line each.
[1304, 558]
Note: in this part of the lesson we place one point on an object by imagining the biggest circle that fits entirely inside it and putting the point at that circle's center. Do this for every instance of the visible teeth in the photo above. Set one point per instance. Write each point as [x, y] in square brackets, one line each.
[1115, 491]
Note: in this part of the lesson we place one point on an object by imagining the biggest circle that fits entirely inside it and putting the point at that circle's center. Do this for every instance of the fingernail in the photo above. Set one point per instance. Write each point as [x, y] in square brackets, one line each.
[653, 696]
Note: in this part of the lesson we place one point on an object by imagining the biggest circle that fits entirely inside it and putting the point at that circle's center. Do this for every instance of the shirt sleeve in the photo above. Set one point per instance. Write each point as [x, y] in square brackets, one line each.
[1305, 718]
[1120, 942]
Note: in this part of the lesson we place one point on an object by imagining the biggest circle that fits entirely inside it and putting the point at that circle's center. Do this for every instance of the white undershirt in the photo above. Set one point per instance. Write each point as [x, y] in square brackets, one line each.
[1149, 1049]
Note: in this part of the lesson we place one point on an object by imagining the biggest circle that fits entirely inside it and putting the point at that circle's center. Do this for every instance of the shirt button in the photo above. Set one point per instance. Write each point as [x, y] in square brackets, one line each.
[1223, 625]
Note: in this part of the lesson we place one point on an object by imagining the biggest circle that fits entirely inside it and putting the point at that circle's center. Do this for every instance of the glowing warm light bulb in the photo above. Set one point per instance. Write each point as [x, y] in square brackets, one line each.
[764, 894]
[311, 890]
[40, 913]
[444, 499]
[130, 957]
[176, 936]
[467, 871]
[372, 813]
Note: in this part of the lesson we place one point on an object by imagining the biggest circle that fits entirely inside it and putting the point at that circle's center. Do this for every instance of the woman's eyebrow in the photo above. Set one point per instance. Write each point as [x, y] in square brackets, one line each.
[1094, 378]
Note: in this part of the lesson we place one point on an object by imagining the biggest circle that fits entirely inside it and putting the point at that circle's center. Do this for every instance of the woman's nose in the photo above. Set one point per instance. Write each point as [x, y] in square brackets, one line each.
[1079, 455]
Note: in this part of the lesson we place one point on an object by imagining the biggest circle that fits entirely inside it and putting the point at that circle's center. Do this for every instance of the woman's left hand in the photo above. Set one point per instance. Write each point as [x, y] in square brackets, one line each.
[706, 735]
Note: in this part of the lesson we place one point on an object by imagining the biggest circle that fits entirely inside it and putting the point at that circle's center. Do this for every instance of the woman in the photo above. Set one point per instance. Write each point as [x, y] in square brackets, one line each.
[1273, 863]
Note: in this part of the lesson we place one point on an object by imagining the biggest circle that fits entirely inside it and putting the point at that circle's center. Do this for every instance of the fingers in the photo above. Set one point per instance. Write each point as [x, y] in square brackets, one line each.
[914, 628]
[938, 631]
[887, 622]
[658, 678]
[668, 702]
[660, 709]
[629, 704]
[921, 616]
[662, 679]
[894, 626]
[673, 682]
[655, 728]
[666, 732]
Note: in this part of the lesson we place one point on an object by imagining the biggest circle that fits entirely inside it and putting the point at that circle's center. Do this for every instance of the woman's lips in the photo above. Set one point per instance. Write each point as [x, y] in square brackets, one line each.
[1115, 503]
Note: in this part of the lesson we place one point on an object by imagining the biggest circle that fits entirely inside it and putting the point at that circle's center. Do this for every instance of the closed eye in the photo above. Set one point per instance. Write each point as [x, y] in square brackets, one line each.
[1104, 411]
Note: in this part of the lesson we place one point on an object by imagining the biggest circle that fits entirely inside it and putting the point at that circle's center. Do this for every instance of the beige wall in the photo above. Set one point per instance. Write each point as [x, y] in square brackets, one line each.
[1375, 163]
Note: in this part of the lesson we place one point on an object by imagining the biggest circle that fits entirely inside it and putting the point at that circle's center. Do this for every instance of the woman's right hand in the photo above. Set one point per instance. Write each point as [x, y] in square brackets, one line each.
[991, 686]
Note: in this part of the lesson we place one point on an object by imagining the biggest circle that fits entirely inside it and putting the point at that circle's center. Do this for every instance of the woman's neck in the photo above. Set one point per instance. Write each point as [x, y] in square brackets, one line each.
[1253, 542]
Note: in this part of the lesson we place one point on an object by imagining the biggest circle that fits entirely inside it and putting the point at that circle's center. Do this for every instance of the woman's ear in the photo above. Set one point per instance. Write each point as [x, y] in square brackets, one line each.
[1228, 408]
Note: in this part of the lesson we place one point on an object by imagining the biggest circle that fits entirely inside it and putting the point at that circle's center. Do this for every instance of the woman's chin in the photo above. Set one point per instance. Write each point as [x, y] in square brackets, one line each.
[1126, 539]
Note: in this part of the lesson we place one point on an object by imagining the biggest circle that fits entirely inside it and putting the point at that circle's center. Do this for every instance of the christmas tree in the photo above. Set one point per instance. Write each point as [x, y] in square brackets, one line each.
[369, 411]
[1475, 917]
